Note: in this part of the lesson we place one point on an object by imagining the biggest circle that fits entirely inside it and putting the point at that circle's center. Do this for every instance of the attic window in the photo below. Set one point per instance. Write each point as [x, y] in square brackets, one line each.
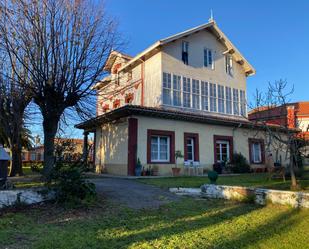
[185, 52]
[208, 58]
[116, 68]
[129, 75]
[229, 64]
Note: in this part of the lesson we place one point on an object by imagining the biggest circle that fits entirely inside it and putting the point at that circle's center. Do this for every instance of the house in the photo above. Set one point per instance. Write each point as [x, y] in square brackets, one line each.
[69, 148]
[185, 93]
[292, 115]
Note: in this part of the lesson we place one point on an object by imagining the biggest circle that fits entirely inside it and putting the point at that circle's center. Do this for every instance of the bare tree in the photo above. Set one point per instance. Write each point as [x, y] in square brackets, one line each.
[14, 99]
[66, 44]
[270, 111]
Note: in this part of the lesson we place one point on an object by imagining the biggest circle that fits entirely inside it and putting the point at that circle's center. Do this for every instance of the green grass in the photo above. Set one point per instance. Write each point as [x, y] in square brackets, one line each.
[189, 223]
[252, 180]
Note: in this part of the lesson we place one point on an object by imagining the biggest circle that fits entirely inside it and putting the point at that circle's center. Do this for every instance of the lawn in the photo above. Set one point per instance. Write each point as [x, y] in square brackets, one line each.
[189, 223]
[252, 180]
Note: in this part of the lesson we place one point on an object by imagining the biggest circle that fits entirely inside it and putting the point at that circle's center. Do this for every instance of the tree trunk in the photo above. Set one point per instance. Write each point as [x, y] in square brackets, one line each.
[294, 184]
[17, 168]
[50, 126]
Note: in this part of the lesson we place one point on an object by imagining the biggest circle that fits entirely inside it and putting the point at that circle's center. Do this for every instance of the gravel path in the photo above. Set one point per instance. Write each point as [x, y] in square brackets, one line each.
[132, 193]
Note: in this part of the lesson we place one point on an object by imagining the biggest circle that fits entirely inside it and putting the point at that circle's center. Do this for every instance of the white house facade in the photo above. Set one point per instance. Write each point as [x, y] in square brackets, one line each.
[184, 93]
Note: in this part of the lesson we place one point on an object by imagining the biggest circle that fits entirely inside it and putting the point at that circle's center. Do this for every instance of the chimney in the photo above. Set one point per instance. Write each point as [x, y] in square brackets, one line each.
[290, 117]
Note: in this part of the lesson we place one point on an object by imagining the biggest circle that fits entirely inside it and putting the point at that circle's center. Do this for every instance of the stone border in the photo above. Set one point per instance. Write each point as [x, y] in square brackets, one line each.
[22, 196]
[247, 194]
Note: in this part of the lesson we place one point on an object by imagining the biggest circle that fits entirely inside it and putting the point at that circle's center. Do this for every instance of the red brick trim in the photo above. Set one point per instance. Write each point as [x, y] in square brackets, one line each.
[129, 98]
[195, 136]
[116, 103]
[132, 145]
[255, 140]
[171, 134]
[224, 138]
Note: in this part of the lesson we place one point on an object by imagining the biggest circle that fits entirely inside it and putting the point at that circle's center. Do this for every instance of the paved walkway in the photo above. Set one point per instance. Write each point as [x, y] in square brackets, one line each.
[132, 193]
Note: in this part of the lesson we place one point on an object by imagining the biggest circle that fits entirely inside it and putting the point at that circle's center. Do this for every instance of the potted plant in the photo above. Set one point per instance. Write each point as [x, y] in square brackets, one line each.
[175, 169]
[138, 168]
[155, 170]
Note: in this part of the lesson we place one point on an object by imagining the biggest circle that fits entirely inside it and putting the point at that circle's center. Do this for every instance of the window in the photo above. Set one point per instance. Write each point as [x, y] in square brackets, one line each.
[196, 94]
[204, 93]
[185, 52]
[221, 99]
[129, 98]
[208, 58]
[160, 146]
[213, 97]
[235, 102]
[186, 92]
[167, 85]
[228, 97]
[176, 90]
[191, 147]
[243, 111]
[223, 148]
[229, 64]
[222, 151]
[32, 156]
[256, 150]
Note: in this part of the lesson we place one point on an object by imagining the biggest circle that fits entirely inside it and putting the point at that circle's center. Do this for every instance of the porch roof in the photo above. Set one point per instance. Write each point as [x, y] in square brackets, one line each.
[208, 118]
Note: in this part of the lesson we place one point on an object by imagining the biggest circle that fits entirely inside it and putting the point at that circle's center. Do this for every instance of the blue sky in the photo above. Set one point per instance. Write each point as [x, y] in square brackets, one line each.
[272, 35]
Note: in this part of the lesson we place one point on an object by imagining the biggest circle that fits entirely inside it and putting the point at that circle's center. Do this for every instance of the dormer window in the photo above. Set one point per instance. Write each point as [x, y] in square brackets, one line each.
[185, 52]
[229, 64]
[208, 58]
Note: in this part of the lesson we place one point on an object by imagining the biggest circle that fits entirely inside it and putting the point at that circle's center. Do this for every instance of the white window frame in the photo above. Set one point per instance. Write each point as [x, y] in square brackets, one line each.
[196, 93]
[174, 90]
[213, 96]
[158, 142]
[229, 64]
[204, 95]
[206, 58]
[169, 76]
[254, 154]
[243, 103]
[186, 79]
[236, 102]
[192, 145]
[220, 142]
[228, 100]
[221, 99]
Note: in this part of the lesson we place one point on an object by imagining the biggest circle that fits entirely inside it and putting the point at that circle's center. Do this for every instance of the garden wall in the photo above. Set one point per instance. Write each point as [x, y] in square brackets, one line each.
[22, 196]
[257, 195]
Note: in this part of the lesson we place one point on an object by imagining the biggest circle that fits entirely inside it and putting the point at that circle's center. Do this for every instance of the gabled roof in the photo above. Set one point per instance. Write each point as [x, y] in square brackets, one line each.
[212, 27]
[112, 57]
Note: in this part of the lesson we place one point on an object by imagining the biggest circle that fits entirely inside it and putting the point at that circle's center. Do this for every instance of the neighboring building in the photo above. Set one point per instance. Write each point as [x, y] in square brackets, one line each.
[73, 150]
[292, 115]
[186, 92]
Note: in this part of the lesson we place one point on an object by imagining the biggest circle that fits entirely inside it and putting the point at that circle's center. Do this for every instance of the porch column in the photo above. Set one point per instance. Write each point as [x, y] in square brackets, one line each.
[85, 147]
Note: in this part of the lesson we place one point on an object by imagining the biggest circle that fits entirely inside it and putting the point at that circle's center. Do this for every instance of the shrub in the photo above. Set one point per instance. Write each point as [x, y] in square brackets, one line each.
[240, 164]
[218, 167]
[69, 184]
[213, 176]
[36, 167]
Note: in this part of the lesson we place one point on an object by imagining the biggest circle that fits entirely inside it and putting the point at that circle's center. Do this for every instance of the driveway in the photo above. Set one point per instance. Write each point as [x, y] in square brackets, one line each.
[132, 193]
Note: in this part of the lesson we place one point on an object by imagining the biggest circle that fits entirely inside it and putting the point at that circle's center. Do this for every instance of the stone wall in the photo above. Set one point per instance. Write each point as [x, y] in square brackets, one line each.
[257, 195]
[24, 196]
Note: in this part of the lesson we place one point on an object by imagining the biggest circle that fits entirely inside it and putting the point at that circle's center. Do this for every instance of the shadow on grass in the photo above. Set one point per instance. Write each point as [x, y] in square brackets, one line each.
[154, 227]
[276, 226]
